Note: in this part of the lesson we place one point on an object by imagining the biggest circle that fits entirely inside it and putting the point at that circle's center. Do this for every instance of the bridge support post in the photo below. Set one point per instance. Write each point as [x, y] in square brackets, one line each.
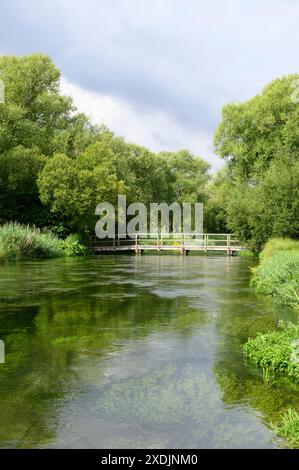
[137, 247]
[183, 251]
[158, 242]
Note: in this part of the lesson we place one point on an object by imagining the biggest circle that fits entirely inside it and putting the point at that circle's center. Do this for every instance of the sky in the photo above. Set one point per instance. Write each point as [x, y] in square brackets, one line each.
[158, 71]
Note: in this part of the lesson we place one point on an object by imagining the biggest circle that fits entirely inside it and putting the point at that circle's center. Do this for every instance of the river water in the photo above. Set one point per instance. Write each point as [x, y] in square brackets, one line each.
[135, 351]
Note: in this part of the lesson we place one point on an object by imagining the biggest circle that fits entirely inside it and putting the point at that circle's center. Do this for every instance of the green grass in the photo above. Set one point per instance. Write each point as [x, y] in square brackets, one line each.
[278, 272]
[24, 242]
[276, 352]
[289, 427]
[277, 245]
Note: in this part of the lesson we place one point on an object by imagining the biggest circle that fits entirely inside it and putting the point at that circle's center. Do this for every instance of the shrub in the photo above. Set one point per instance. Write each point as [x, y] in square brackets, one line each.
[72, 246]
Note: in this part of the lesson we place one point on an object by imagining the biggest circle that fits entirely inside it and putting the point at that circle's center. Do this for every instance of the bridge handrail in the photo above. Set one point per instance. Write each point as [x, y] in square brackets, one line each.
[206, 239]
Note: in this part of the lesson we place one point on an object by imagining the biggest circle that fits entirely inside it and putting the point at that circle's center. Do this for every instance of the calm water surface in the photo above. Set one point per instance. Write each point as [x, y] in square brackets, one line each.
[134, 351]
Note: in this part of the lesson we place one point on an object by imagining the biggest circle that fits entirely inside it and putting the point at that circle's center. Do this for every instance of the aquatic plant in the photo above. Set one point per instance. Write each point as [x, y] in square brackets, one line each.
[288, 428]
[276, 352]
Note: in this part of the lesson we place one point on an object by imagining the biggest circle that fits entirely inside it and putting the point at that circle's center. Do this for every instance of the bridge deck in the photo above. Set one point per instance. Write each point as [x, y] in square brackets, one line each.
[183, 244]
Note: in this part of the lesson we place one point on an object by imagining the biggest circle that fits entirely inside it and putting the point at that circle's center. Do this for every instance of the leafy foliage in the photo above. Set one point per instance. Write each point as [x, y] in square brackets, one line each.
[260, 142]
[55, 166]
[72, 246]
[273, 352]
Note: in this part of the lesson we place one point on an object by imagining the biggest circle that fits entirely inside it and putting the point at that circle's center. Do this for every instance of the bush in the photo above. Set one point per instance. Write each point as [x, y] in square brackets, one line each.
[19, 242]
[72, 246]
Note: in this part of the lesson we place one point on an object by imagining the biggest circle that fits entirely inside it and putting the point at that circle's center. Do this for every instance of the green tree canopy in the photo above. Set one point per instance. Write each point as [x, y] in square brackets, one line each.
[259, 140]
[73, 188]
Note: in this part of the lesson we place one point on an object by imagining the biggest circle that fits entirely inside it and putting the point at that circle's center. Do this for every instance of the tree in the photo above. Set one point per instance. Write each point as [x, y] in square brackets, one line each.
[19, 168]
[34, 110]
[72, 188]
[35, 122]
[55, 166]
[189, 176]
[259, 140]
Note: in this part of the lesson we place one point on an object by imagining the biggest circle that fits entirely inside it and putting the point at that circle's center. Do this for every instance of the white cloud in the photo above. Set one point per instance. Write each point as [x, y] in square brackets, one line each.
[153, 129]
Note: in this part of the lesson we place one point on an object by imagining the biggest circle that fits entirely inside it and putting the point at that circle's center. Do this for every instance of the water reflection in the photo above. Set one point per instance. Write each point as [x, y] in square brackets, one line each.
[125, 351]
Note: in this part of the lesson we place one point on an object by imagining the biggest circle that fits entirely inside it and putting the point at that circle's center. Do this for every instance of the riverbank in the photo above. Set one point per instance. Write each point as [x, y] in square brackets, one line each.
[277, 352]
[278, 272]
[19, 242]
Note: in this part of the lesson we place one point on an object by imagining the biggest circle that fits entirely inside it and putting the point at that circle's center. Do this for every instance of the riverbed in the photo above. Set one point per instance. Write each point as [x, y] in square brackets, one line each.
[128, 351]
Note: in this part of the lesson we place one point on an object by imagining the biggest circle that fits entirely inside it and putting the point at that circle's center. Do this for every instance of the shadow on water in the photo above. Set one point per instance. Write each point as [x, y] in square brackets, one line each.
[125, 351]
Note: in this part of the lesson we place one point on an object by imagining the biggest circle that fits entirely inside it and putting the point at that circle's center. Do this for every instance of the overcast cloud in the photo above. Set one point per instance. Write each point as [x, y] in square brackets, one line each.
[158, 72]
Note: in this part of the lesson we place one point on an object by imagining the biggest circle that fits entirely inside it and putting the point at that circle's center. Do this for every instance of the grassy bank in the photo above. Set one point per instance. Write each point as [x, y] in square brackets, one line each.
[277, 352]
[23, 242]
[278, 272]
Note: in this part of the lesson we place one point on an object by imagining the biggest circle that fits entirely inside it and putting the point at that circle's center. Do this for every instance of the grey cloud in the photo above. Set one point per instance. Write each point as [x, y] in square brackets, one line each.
[183, 58]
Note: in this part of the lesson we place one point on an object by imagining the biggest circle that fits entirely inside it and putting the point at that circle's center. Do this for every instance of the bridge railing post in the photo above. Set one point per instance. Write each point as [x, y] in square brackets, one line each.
[228, 243]
[182, 244]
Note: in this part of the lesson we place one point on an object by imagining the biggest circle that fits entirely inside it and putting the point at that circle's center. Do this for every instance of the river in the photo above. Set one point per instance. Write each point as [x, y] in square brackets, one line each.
[134, 351]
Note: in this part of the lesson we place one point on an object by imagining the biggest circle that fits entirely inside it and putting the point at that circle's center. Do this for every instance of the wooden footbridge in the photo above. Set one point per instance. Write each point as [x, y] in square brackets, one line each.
[180, 243]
